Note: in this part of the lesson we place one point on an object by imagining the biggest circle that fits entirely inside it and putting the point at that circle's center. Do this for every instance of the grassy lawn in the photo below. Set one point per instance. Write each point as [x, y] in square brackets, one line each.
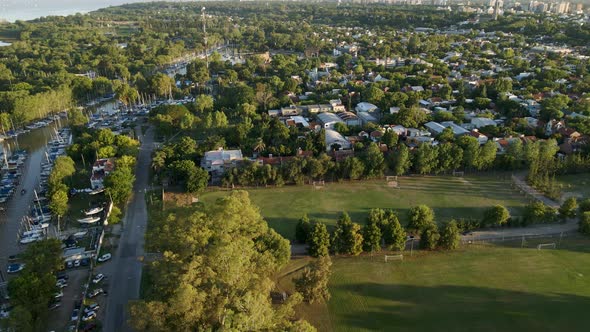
[450, 197]
[480, 289]
[575, 184]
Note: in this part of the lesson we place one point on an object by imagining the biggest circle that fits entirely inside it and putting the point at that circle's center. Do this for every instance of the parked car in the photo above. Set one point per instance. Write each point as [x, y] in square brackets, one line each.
[104, 257]
[16, 267]
[95, 293]
[69, 264]
[92, 307]
[58, 295]
[61, 283]
[89, 316]
[85, 262]
[75, 315]
[77, 263]
[98, 278]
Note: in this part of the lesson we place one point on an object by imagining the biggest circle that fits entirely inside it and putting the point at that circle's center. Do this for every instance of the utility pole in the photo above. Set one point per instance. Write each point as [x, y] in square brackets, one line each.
[205, 38]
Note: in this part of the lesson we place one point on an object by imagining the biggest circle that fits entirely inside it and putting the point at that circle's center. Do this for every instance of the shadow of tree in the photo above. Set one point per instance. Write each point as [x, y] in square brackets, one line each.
[459, 308]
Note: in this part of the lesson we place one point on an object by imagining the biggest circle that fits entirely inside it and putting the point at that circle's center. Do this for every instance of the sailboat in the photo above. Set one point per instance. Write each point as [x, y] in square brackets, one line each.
[89, 220]
[94, 210]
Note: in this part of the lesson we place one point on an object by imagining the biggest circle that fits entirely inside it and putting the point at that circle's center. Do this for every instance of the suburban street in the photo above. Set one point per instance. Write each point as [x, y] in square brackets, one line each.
[124, 271]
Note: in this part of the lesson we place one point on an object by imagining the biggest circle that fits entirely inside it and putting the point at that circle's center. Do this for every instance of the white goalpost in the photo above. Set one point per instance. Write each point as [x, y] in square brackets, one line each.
[546, 245]
[392, 181]
[394, 258]
[458, 173]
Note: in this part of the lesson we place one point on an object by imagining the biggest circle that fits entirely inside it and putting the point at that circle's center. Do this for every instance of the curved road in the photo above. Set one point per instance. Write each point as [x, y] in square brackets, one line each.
[125, 269]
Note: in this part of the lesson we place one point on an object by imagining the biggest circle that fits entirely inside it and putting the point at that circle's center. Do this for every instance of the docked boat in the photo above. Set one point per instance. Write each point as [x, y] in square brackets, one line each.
[96, 191]
[92, 211]
[89, 220]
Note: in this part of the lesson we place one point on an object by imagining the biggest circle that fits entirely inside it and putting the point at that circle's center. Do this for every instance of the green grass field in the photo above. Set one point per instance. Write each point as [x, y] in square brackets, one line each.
[482, 289]
[450, 197]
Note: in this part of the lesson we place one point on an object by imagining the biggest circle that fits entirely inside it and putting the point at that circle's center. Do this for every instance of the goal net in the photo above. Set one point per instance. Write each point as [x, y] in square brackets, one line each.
[460, 174]
[546, 245]
[392, 181]
[394, 258]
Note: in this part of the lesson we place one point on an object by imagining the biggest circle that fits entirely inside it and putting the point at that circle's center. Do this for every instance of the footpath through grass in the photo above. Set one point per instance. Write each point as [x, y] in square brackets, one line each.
[450, 197]
[483, 289]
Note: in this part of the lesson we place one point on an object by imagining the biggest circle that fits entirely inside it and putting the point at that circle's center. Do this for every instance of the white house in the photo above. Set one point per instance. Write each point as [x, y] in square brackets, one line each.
[334, 137]
[365, 107]
[434, 128]
[100, 169]
[219, 160]
[365, 118]
[328, 120]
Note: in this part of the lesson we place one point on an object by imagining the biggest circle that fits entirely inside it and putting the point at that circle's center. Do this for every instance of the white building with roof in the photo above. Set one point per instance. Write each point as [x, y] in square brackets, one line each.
[220, 160]
[434, 128]
[334, 137]
[457, 130]
[365, 107]
[483, 122]
[328, 120]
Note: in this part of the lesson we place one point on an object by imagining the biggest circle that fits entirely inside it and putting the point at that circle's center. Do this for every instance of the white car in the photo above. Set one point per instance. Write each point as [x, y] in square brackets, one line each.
[104, 258]
[89, 315]
[93, 307]
[98, 278]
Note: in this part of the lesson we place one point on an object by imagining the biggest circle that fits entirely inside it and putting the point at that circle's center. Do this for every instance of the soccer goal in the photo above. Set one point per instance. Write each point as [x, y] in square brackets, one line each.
[458, 173]
[319, 184]
[546, 245]
[392, 181]
[394, 258]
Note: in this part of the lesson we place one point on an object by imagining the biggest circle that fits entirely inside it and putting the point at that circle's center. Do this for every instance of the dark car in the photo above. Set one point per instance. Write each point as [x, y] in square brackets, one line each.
[85, 261]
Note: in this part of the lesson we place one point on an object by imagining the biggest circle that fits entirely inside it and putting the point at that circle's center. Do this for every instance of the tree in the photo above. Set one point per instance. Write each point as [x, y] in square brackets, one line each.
[119, 184]
[449, 236]
[401, 161]
[390, 138]
[538, 212]
[115, 216]
[303, 229]
[568, 208]
[197, 180]
[584, 223]
[420, 217]
[497, 215]
[584, 205]
[217, 270]
[425, 159]
[347, 238]
[313, 283]
[394, 235]
[59, 203]
[371, 236]
[373, 161]
[429, 237]
[319, 241]
[352, 168]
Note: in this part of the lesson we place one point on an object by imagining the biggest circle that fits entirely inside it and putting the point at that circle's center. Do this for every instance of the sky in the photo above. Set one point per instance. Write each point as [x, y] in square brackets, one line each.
[12, 10]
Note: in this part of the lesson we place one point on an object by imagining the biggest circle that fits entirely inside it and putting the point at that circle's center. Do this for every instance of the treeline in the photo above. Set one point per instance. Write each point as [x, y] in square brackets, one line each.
[384, 230]
[216, 272]
[23, 107]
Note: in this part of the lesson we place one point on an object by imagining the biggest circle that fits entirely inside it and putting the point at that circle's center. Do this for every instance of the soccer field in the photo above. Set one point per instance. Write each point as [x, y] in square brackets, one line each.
[450, 197]
[485, 289]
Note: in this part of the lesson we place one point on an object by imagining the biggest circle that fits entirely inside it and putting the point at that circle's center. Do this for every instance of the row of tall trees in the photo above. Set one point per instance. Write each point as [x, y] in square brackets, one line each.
[382, 229]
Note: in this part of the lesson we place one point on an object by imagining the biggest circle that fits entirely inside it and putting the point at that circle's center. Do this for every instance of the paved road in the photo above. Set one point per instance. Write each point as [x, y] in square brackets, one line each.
[125, 268]
[519, 180]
